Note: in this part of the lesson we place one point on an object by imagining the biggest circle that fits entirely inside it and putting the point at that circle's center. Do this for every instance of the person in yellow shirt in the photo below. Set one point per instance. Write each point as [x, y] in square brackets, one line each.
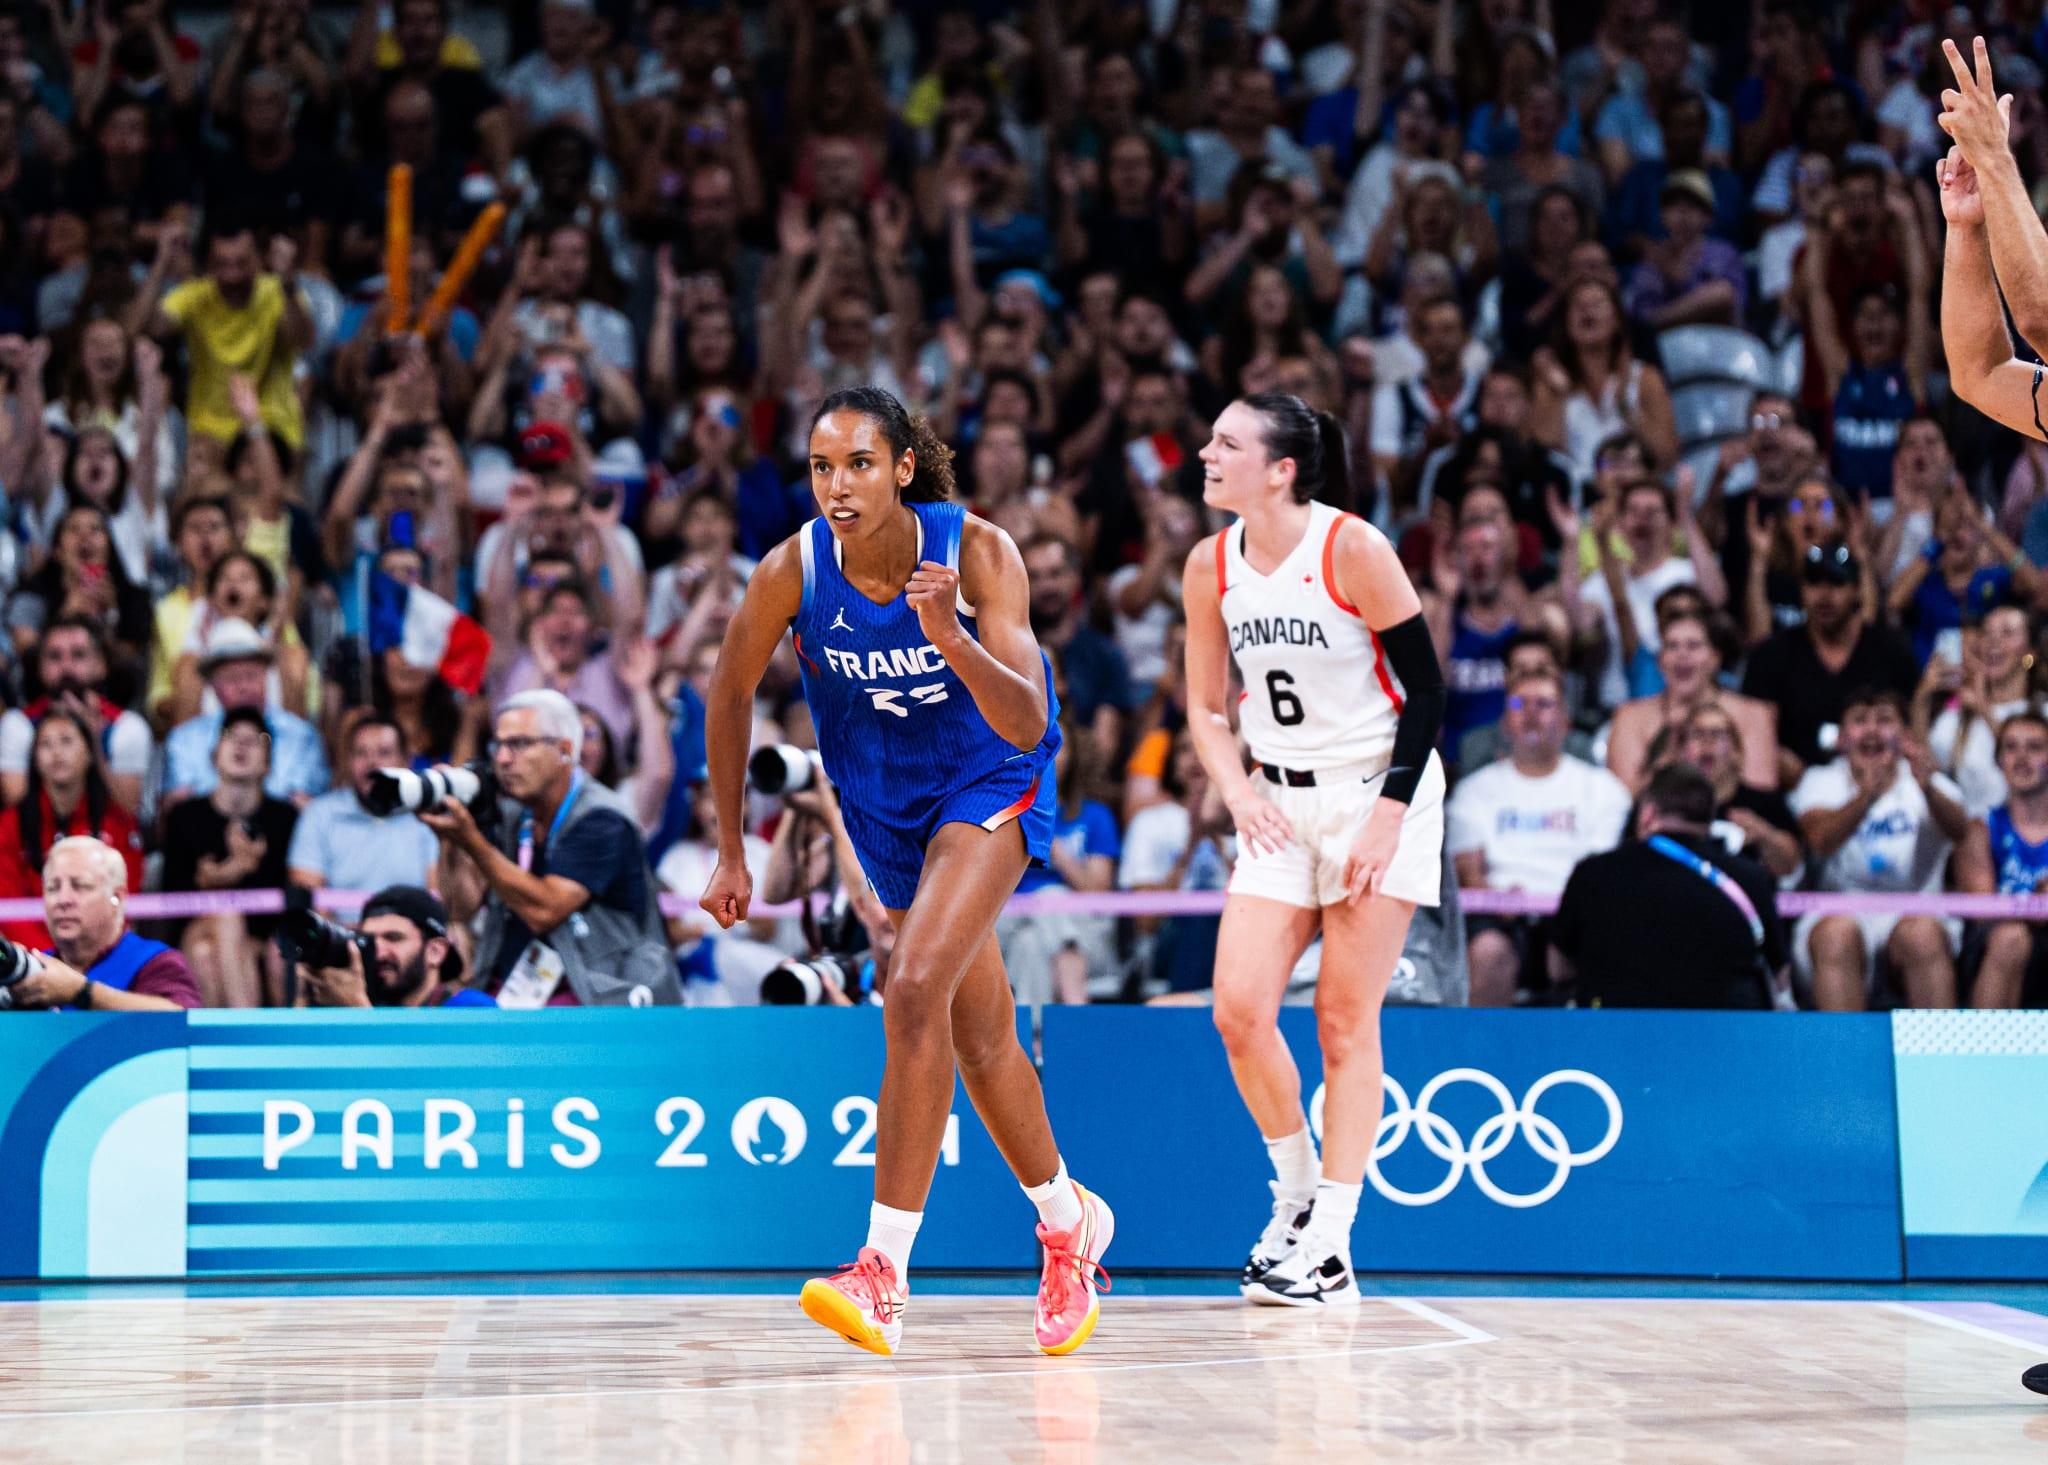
[202, 530]
[236, 320]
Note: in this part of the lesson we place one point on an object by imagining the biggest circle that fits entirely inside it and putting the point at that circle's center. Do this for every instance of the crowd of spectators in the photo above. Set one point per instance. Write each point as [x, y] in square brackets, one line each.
[1629, 312]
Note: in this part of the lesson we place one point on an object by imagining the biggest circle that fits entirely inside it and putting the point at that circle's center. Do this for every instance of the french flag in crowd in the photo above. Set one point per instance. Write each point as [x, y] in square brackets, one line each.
[429, 633]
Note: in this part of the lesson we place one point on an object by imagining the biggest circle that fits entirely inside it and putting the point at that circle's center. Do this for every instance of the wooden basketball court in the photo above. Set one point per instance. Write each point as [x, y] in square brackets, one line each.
[655, 1372]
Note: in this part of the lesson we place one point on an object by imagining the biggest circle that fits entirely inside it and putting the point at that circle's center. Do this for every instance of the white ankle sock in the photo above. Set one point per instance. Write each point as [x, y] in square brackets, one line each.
[1329, 1225]
[1059, 1204]
[1295, 1163]
[891, 1232]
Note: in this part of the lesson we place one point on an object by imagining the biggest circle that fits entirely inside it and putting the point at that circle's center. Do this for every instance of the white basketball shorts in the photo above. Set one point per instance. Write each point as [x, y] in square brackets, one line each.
[1327, 820]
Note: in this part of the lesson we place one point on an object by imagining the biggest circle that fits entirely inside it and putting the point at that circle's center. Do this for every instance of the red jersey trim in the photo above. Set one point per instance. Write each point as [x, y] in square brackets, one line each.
[1330, 576]
[1379, 666]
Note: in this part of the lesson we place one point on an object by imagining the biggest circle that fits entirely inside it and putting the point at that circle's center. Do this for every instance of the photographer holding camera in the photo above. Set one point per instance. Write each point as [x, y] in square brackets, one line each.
[98, 963]
[847, 949]
[399, 955]
[558, 867]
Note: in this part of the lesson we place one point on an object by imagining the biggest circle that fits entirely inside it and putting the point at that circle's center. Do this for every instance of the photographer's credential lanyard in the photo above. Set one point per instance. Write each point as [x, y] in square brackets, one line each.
[554, 826]
[1714, 875]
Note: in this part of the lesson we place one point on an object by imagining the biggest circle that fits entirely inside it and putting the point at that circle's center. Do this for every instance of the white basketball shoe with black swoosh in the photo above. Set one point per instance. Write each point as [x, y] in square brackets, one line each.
[1308, 1276]
[1289, 1216]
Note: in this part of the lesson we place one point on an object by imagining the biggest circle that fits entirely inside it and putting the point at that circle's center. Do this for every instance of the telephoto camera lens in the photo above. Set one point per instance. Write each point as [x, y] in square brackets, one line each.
[781, 769]
[16, 962]
[805, 981]
[392, 789]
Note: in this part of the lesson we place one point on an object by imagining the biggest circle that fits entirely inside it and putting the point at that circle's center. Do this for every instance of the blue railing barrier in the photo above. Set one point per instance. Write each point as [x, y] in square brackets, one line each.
[1685, 1144]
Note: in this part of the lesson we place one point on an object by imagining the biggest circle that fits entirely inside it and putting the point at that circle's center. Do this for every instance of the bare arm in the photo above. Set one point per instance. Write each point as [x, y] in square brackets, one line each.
[1209, 275]
[1827, 830]
[542, 901]
[1706, 565]
[1325, 275]
[1951, 816]
[969, 303]
[1975, 872]
[56, 976]
[1817, 307]
[1004, 671]
[1979, 122]
[181, 80]
[145, 316]
[1628, 744]
[1654, 418]
[661, 334]
[1982, 367]
[774, 596]
[1208, 678]
[1061, 109]
[1372, 64]
[338, 523]
[224, 96]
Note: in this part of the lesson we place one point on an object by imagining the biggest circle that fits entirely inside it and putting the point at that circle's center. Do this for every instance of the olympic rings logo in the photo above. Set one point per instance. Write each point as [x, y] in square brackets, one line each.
[1491, 1139]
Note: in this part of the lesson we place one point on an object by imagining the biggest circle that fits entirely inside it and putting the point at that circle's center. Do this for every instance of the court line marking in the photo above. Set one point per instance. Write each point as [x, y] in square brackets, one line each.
[1975, 1330]
[1430, 1314]
[765, 1385]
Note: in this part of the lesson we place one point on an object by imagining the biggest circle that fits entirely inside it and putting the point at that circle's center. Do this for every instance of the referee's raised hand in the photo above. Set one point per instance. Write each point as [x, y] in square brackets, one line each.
[1972, 111]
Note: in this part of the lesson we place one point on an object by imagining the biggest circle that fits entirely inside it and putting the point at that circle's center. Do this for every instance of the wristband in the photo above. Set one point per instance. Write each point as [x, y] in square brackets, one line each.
[83, 1001]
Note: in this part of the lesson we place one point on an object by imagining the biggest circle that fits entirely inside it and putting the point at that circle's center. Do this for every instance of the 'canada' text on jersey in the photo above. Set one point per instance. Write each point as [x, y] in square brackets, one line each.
[1317, 692]
[1276, 631]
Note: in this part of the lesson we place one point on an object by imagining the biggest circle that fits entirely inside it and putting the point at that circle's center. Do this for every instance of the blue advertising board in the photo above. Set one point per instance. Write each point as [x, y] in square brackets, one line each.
[1685, 1144]
[1973, 1142]
[454, 1141]
[1617, 1143]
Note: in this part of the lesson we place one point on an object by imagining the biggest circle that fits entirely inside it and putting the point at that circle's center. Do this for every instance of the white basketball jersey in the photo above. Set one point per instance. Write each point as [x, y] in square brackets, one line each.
[1318, 693]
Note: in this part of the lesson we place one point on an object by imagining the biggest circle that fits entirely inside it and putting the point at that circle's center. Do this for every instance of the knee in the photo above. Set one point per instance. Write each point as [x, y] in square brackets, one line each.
[978, 1052]
[1920, 940]
[1836, 939]
[916, 1000]
[1242, 1022]
[2010, 943]
[1491, 949]
[1348, 1032]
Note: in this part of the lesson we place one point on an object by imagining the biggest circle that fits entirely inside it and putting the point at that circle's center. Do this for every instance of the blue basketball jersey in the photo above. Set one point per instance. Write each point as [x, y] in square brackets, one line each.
[897, 730]
[2021, 866]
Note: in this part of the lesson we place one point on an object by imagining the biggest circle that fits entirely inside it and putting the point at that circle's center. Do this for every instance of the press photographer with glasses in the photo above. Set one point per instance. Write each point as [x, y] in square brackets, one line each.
[556, 864]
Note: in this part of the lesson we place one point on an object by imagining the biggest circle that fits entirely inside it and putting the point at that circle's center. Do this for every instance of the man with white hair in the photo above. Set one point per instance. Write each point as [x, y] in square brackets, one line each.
[98, 962]
[560, 870]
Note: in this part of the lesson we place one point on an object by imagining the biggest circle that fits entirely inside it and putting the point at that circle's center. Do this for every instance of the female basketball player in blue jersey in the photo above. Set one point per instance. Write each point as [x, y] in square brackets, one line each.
[1340, 832]
[936, 720]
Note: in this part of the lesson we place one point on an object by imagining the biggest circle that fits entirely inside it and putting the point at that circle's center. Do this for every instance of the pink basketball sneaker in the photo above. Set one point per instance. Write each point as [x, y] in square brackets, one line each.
[862, 1303]
[1068, 1301]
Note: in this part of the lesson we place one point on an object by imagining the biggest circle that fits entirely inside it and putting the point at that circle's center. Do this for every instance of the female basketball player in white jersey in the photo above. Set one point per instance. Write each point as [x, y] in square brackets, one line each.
[1340, 828]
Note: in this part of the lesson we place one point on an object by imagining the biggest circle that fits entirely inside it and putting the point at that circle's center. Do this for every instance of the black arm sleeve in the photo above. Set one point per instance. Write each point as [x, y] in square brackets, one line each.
[1413, 655]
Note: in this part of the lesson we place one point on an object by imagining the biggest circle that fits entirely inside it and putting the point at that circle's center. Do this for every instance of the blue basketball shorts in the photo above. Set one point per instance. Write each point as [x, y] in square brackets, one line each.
[892, 851]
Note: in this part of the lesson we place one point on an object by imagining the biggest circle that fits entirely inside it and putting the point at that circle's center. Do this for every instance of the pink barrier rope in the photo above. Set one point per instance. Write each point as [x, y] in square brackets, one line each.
[185, 904]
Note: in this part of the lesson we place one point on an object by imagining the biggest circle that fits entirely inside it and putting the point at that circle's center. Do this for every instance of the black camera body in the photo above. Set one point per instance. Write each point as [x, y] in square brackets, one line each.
[306, 936]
